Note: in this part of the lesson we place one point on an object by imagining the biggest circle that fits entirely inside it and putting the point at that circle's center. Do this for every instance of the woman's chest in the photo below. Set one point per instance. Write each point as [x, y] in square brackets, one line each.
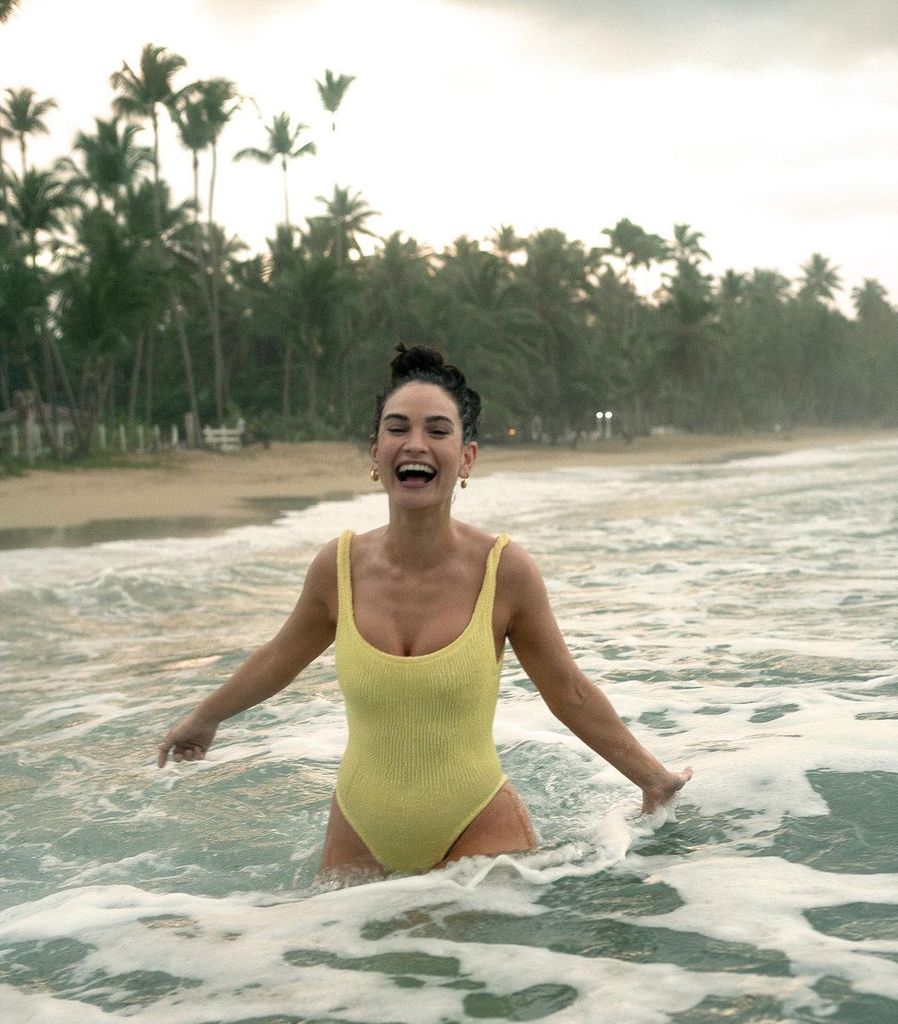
[414, 615]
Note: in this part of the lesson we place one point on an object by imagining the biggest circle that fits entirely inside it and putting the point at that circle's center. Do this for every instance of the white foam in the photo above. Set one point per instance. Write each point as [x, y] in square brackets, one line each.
[739, 617]
[761, 901]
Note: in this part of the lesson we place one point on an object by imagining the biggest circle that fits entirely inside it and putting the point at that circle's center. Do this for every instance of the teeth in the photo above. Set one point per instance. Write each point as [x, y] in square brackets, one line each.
[407, 468]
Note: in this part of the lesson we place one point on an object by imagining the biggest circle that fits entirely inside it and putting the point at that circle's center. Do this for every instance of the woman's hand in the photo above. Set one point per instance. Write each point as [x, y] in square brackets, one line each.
[663, 787]
[189, 740]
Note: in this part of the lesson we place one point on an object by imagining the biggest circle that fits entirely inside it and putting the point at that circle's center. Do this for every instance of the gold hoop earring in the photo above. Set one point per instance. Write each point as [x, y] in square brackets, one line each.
[464, 482]
[375, 476]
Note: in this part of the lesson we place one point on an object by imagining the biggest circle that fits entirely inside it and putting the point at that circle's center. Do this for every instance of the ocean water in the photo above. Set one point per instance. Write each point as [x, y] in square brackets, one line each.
[743, 618]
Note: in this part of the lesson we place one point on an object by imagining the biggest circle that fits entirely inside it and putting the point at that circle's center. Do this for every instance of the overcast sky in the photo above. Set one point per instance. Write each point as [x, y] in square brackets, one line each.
[769, 125]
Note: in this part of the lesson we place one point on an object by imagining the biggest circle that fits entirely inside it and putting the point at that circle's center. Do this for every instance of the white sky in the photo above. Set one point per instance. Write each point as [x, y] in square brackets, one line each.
[769, 125]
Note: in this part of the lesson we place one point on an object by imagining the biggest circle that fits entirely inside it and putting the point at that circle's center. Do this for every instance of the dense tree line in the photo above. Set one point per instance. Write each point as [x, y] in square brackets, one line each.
[120, 300]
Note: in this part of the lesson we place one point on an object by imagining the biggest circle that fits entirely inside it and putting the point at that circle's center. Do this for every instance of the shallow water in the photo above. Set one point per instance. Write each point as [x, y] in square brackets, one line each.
[742, 617]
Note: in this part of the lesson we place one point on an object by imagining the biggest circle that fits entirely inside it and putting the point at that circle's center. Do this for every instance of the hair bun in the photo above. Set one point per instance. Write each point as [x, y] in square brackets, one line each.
[419, 358]
[421, 363]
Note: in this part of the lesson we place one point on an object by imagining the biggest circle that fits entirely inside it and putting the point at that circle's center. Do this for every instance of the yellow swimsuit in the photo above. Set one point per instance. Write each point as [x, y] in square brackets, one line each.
[420, 763]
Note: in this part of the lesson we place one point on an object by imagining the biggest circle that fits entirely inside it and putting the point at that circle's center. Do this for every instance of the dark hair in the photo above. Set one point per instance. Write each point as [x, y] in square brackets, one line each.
[428, 366]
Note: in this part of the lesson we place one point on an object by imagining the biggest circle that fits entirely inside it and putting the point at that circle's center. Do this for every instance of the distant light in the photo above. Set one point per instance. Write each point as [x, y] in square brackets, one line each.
[512, 431]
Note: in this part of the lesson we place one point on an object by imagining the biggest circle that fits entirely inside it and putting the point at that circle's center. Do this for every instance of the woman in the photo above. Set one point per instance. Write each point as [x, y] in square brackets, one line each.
[420, 783]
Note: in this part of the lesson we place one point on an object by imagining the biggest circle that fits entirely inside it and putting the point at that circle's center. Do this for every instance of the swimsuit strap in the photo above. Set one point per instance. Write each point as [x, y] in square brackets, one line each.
[483, 610]
[344, 580]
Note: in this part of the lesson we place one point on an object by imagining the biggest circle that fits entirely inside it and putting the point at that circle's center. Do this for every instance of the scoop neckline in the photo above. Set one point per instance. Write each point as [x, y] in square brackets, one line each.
[429, 654]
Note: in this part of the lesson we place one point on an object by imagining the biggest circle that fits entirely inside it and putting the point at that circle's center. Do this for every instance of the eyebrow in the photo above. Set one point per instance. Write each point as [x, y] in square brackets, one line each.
[427, 419]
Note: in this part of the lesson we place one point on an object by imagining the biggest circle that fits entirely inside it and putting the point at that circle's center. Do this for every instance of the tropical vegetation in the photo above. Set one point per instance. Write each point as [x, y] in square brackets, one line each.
[120, 300]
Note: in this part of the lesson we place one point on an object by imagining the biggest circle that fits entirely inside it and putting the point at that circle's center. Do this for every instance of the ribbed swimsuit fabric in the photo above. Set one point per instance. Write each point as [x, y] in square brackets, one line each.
[420, 763]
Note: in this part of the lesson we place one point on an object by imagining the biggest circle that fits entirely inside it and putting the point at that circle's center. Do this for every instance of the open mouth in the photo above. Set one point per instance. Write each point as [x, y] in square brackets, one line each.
[415, 474]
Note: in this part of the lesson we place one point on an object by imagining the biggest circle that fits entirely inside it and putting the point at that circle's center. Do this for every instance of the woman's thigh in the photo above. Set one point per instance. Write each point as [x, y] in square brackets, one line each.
[343, 848]
[503, 826]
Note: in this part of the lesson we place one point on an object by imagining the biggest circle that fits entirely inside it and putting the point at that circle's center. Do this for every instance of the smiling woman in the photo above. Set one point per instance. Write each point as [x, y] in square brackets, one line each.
[420, 610]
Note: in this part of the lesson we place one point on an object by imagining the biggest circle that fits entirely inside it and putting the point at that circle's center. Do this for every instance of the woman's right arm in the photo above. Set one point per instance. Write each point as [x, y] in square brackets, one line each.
[308, 631]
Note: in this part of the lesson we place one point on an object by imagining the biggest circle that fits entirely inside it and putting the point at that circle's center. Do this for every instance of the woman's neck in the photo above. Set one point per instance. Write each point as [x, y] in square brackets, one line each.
[419, 538]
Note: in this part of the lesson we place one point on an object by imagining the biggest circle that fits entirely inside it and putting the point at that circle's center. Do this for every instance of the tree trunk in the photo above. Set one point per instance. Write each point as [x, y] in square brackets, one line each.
[64, 377]
[215, 259]
[5, 391]
[312, 382]
[102, 382]
[287, 381]
[172, 295]
[135, 377]
[4, 198]
[148, 375]
[185, 355]
[41, 407]
[217, 346]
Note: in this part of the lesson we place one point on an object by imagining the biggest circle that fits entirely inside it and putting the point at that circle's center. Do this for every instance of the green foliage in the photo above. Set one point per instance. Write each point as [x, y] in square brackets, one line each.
[7, 7]
[118, 301]
[332, 90]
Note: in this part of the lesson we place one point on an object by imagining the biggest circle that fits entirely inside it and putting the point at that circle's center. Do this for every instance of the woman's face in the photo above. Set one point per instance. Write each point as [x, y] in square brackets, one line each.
[419, 451]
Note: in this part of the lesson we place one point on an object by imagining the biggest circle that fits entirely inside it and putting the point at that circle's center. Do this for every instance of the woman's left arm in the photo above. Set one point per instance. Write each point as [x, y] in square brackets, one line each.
[570, 696]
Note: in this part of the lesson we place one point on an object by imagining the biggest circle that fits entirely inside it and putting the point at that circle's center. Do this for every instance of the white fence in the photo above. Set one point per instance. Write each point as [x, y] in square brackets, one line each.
[225, 439]
[29, 441]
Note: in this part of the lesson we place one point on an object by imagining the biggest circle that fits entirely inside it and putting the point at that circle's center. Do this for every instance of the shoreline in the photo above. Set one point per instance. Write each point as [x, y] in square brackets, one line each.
[200, 492]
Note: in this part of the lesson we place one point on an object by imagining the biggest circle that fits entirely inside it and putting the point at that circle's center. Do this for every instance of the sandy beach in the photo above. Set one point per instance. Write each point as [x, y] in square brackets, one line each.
[202, 491]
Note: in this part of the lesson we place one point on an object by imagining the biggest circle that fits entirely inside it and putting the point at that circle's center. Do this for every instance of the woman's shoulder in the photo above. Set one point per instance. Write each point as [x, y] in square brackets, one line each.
[515, 556]
[322, 571]
[325, 561]
[517, 571]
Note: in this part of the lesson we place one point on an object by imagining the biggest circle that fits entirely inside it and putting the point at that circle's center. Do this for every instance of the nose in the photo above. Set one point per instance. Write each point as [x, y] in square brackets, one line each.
[415, 440]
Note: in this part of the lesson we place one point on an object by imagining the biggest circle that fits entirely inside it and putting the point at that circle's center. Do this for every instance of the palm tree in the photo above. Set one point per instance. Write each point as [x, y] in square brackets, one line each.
[23, 299]
[206, 108]
[345, 219]
[554, 287]
[112, 162]
[332, 90]
[39, 202]
[870, 299]
[141, 94]
[822, 342]
[305, 296]
[396, 284]
[820, 279]
[170, 265]
[7, 7]
[634, 245]
[874, 332]
[209, 105]
[476, 311]
[691, 334]
[193, 131]
[283, 146]
[506, 241]
[106, 295]
[768, 286]
[24, 116]
[731, 287]
[687, 244]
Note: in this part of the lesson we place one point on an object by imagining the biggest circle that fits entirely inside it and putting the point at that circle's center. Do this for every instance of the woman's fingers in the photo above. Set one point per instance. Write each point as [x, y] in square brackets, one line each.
[179, 752]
